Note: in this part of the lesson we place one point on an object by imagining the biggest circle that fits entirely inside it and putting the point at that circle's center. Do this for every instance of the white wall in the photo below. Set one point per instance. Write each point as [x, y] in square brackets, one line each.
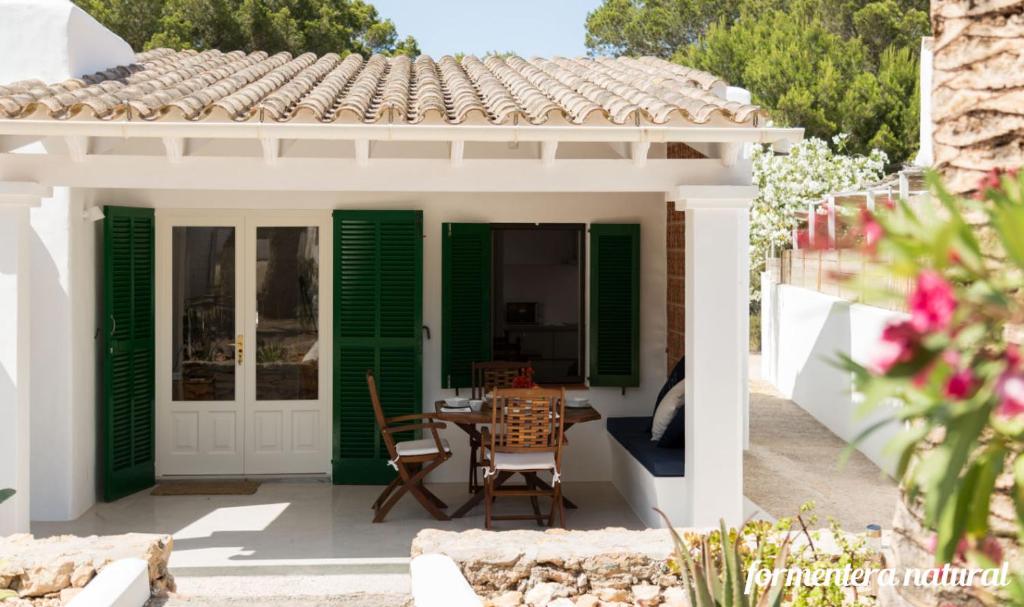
[54, 40]
[803, 333]
[63, 369]
[588, 456]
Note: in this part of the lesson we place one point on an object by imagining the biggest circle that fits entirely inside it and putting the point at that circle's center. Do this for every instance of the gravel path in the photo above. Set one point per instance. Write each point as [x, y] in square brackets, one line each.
[794, 459]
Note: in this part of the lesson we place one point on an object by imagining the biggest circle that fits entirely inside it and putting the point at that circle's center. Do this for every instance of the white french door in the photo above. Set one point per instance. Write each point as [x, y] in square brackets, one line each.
[243, 357]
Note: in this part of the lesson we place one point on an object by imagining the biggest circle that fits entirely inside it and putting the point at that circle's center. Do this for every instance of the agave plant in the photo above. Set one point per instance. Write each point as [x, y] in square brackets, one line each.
[706, 586]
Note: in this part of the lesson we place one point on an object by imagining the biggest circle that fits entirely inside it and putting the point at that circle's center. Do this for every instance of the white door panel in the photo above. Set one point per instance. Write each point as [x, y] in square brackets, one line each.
[243, 363]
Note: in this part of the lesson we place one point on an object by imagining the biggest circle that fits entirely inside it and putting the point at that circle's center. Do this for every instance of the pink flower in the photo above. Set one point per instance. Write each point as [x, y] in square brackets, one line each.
[1011, 395]
[960, 385]
[871, 229]
[931, 303]
[990, 547]
[897, 346]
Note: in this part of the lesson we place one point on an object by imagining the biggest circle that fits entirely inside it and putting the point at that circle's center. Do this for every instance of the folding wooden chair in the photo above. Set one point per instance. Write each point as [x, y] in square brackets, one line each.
[412, 459]
[487, 377]
[525, 437]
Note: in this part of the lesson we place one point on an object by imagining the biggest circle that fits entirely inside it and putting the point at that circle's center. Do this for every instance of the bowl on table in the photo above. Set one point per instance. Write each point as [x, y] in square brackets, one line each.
[456, 402]
[577, 402]
[476, 404]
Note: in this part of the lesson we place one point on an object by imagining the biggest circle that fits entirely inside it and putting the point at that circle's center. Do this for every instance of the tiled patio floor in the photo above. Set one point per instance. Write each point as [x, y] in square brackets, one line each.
[294, 524]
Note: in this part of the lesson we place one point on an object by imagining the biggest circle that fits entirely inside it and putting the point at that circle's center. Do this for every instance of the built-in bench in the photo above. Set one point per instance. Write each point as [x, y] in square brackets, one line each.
[633, 433]
[647, 475]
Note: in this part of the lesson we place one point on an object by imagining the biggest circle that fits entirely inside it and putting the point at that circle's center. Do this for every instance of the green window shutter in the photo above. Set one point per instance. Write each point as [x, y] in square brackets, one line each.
[378, 320]
[128, 429]
[466, 301]
[615, 305]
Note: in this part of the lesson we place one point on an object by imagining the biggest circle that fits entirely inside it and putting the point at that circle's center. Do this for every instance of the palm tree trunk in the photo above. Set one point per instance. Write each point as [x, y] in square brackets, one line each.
[978, 88]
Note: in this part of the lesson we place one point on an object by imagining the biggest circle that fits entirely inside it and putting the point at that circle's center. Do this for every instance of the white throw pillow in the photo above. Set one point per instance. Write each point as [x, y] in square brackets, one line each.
[667, 410]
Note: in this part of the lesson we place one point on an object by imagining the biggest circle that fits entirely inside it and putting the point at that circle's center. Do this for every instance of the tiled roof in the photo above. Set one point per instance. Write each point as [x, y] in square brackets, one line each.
[213, 86]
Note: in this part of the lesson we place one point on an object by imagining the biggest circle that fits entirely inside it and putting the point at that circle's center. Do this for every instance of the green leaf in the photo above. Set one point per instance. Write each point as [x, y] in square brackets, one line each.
[6, 494]
[1008, 220]
[1018, 490]
[988, 467]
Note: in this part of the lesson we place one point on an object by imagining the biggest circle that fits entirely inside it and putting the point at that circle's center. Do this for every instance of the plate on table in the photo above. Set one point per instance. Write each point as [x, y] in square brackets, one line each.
[577, 402]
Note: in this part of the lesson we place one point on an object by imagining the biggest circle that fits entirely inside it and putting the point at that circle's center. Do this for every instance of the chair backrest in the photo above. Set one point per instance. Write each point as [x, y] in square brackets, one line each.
[495, 374]
[530, 419]
[378, 411]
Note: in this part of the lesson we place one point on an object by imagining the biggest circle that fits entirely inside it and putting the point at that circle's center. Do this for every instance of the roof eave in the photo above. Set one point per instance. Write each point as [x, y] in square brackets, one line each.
[401, 132]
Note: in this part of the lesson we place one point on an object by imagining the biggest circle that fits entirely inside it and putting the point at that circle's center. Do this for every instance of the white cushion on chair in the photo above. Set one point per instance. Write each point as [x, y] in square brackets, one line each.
[530, 460]
[424, 446]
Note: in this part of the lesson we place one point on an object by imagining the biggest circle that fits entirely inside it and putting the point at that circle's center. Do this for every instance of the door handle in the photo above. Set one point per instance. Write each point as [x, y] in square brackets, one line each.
[239, 349]
[426, 330]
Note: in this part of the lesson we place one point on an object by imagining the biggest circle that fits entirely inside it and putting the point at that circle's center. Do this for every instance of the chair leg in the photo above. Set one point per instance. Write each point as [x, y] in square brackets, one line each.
[412, 483]
[430, 495]
[473, 484]
[385, 493]
[531, 483]
[488, 500]
[561, 505]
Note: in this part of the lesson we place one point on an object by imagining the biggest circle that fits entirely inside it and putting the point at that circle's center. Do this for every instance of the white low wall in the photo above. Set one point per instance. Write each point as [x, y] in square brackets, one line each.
[803, 333]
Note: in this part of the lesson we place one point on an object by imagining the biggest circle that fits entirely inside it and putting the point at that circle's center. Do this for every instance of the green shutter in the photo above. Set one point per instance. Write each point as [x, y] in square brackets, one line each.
[615, 305]
[378, 322]
[466, 301]
[128, 431]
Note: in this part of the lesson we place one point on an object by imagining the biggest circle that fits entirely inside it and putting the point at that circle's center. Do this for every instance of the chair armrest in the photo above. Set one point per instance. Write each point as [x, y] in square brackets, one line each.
[411, 427]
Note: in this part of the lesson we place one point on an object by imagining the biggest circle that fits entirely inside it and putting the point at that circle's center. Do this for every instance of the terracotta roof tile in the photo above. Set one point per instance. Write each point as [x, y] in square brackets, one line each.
[212, 85]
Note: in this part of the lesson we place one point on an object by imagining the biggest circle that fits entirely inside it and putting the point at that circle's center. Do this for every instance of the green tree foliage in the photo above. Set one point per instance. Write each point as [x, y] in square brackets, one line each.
[297, 26]
[830, 66]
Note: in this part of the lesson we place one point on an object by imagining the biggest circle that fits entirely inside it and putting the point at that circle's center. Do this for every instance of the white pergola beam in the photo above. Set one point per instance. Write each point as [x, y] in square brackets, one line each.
[78, 147]
[548, 152]
[398, 132]
[717, 346]
[457, 151]
[362, 152]
[638, 152]
[730, 152]
[271, 150]
[175, 149]
[383, 174]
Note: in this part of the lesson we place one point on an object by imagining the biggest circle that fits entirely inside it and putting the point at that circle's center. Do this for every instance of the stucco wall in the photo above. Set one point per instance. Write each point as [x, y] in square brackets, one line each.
[803, 333]
[63, 366]
[69, 479]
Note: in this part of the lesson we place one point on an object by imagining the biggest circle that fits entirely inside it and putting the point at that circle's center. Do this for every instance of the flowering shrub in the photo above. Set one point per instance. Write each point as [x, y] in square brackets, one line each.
[950, 364]
[787, 184]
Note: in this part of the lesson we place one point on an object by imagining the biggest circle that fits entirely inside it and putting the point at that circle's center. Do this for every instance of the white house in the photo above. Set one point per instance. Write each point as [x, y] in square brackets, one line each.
[202, 253]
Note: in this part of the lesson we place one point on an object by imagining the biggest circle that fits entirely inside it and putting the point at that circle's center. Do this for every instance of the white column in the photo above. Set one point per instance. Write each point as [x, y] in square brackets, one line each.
[15, 201]
[717, 348]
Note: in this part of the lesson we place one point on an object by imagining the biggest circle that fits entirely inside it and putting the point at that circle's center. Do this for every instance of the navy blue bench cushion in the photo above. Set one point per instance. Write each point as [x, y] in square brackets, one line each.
[633, 434]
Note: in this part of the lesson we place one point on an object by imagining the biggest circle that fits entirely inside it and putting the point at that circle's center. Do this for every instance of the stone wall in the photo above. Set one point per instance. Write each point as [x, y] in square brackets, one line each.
[675, 249]
[559, 568]
[50, 572]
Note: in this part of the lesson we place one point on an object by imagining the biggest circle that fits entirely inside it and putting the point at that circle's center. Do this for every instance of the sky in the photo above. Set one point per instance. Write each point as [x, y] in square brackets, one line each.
[526, 27]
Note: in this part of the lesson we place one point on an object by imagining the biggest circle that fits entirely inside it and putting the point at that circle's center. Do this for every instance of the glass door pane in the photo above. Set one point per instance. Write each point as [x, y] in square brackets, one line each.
[203, 313]
[287, 313]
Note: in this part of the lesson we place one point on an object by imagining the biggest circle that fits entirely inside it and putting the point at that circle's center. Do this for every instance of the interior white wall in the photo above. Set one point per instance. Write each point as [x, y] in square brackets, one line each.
[804, 333]
[588, 457]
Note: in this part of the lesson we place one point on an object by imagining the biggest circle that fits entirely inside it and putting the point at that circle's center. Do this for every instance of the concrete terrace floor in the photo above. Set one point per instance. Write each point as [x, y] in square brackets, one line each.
[295, 524]
[794, 459]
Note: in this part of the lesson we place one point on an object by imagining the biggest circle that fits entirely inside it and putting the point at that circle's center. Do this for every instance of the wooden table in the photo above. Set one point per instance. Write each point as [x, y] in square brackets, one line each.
[469, 421]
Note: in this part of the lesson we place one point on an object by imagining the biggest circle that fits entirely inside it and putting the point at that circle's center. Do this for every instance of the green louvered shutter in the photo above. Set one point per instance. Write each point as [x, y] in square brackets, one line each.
[615, 305]
[128, 429]
[466, 301]
[378, 320]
